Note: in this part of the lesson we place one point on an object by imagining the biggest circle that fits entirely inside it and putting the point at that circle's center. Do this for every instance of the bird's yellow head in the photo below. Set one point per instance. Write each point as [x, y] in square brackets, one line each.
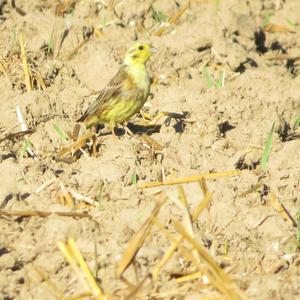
[139, 54]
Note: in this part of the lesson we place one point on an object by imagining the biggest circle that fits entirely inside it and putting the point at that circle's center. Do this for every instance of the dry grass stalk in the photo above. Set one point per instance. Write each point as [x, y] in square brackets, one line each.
[251, 190]
[283, 57]
[64, 6]
[174, 18]
[182, 196]
[207, 176]
[186, 218]
[80, 296]
[203, 186]
[38, 76]
[271, 27]
[66, 199]
[136, 290]
[111, 4]
[3, 69]
[50, 286]
[72, 53]
[186, 253]
[203, 204]
[189, 277]
[281, 209]
[42, 213]
[138, 239]
[169, 294]
[151, 142]
[44, 185]
[75, 259]
[6, 132]
[195, 214]
[16, 135]
[28, 81]
[217, 277]
[167, 256]
[83, 198]
[24, 128]
[80, 143]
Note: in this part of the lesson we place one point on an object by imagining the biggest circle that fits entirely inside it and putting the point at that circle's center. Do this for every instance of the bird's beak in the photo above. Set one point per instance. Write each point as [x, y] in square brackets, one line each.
[153, 49]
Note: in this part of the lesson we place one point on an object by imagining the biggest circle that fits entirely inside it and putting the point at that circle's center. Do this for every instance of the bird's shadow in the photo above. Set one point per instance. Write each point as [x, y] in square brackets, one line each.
[143, 129]
[138, 129]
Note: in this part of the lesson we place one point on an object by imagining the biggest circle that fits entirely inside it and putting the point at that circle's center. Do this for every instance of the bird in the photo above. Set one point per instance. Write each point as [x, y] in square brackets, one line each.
[126, 93]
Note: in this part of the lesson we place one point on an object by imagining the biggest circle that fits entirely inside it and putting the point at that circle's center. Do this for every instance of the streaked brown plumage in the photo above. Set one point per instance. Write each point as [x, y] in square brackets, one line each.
[125, 94]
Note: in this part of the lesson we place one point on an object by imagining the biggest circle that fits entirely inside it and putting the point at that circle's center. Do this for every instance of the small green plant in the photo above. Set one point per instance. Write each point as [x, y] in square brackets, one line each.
[297, 122]
[219, 83]
[100, 196]
[64, 137]
[217, 4]
[50, 42]
[25, 148]
[208, 77]
[14, 34]
[290, 22]
[134, 178]
[267, 18]
[267, 149]
[26, 145]
[158, 16]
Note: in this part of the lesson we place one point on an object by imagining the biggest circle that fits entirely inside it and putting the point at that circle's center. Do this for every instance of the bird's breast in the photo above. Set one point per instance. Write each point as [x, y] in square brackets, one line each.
[140, 77]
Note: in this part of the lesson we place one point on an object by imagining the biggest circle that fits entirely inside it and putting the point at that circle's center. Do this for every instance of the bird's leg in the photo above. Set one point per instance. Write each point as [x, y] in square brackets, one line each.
[128, 131]
[94, 147]
[112, 126]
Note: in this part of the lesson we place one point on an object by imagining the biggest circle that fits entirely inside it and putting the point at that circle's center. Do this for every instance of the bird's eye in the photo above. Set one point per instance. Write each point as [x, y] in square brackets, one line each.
[141, 47]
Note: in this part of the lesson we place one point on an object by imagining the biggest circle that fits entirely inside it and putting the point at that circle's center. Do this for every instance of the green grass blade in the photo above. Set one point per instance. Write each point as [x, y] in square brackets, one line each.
[50, 42]
[220, 81]
[14, 34]
[61, 133]
[134, 178]
[266, 20]
[267, 149]
[290, 22]
[23, 150]
[207, 77]
[297, 122]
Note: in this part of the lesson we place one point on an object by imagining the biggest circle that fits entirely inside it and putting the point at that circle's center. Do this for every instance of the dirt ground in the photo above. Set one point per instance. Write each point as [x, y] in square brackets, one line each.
[232, 66]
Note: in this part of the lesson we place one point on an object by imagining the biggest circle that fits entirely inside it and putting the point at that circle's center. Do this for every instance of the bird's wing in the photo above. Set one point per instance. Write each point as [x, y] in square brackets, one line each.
[113, 88]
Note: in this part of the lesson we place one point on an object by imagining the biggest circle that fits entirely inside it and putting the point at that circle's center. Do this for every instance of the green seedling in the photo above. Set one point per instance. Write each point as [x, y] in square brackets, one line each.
[26, 146]
[217, 4]
[99, 196]
[64, 137]
[14, 34]
[290, 22]
[267, 18]
[134, 178]
[297, 122]
[208, 77]
[50, 42]
[221, 81]
[267, 149]
[158, 16]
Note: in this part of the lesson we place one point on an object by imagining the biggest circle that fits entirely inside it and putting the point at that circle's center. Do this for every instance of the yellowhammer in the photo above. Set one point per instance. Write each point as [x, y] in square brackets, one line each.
[126, 93]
